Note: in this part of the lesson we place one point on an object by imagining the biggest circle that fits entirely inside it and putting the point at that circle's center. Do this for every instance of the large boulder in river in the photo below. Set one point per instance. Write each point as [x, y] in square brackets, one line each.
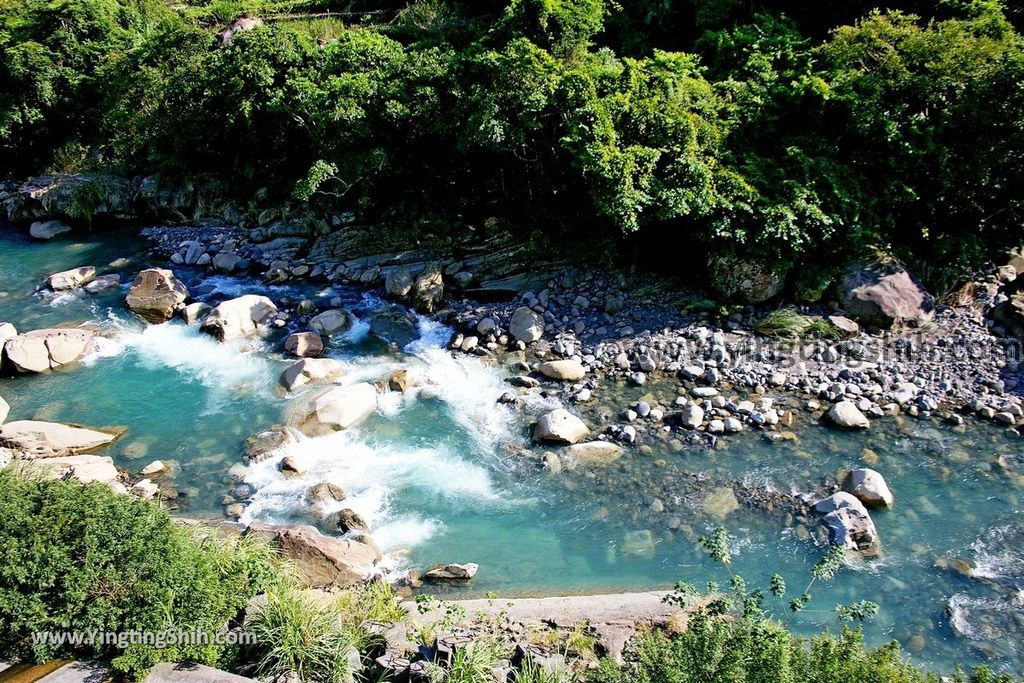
[560, 426]
[846, 415]
[848, 523]
[331, 322]
[339, 408]
[310, 371]
[5, 410]
[69, 279]
[47, 439]
[428, 290]
[304, 344]
[526, 325]
[156, 294]
[239, 317]
[869, 487]
[595, 453]
[46, 230]
[564, 370]
[884, 294]
[321, 561]
[42, 350]
[398, 283]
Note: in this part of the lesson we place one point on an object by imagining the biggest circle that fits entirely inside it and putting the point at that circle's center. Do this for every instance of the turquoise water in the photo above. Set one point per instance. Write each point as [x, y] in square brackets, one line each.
[442, 473]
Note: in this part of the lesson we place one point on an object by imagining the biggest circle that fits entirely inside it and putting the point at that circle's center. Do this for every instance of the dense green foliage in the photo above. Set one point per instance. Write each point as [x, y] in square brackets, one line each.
[81, 558]
[783, 129]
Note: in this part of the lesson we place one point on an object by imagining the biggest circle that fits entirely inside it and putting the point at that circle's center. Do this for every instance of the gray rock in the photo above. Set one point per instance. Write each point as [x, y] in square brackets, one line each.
[452, 572]
[103, 283]
[45, 230]
[692, 415]
[304, 344]
[563, 370]
[869, 487]
[526, 325]
[848, 523]
[884, 294]
[560, 426]
[398, 283]
[846, 415]
[69, 279]
[331, 322]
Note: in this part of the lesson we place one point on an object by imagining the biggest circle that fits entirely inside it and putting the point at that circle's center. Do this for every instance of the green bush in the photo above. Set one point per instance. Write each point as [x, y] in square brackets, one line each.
[81, 558]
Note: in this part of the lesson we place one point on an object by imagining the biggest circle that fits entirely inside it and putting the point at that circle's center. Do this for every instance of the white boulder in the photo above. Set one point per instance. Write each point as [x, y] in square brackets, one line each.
[239, 317]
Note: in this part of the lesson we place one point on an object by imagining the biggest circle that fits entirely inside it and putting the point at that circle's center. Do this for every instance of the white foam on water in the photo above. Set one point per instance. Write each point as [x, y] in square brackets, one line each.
[374, 476]
[225, 369]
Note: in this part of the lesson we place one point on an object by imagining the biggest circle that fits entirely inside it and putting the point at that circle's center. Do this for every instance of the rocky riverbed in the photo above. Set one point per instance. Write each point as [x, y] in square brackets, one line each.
[360, 406]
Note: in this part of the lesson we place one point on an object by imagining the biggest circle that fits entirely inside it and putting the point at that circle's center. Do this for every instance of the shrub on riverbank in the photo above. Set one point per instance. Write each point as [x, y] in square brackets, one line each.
[82, 559]
[797, 136]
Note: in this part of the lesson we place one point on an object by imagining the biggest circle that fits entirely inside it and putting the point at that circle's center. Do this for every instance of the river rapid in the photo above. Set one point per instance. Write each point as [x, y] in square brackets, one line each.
[445, 473]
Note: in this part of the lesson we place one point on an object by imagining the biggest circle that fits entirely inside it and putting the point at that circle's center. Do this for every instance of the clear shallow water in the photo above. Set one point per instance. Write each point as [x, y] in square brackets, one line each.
[441, 473]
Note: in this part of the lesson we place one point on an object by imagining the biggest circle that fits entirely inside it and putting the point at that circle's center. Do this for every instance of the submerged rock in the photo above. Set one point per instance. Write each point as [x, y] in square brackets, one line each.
[311, 371]
[721, 502]
[156, 294]
[596, 452]
[239, 317]
[46, 439]
[869, 487]
[69, 279]
[395, 326]
[42, 350]
[560, 426]
[321, 561]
